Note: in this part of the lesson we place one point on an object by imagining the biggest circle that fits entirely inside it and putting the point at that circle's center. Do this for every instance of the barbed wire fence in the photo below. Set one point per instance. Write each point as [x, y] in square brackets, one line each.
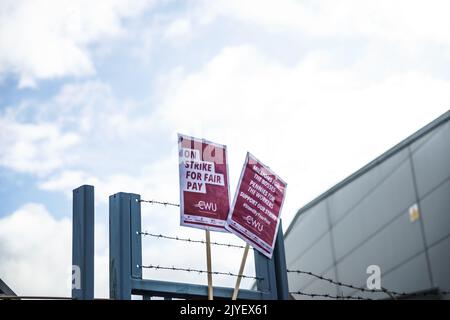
[162, 236]
[157, 267]
[392, 294]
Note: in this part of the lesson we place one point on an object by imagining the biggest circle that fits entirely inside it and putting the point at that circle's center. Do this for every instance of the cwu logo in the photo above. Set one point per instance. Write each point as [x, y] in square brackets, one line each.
[206, 206]
[254, 223]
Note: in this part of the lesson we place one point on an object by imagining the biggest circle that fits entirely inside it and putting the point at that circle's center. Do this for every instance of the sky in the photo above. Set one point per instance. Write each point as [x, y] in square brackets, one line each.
[95, 92]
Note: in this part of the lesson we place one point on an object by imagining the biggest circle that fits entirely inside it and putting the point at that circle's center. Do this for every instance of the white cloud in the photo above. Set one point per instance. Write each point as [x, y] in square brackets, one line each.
[66, 181]
[402, 20]
[51, 38]
[36, 251]
[83, 125]
[85, 135]
[179, 28]
[36, 148]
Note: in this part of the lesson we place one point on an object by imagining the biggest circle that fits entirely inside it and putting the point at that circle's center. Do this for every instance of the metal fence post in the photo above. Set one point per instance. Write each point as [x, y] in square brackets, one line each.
[83, 243]
[279, 258]
[119, 247]
[265, 272]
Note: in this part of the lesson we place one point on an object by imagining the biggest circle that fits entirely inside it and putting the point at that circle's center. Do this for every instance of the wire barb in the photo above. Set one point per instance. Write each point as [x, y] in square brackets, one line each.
[199, 271]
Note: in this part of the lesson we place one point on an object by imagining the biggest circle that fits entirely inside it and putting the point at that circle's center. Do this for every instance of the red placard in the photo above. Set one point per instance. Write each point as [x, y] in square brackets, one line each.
[204, 188]
[255, 213]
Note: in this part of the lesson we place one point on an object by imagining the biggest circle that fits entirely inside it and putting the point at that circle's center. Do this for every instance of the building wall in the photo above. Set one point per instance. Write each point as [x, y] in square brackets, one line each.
[366, 222]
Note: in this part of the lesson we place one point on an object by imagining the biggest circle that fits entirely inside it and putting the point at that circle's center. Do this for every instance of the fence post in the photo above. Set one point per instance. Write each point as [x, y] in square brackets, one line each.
[265, 272]
[279, 258]
[83, 243]
[119, 247]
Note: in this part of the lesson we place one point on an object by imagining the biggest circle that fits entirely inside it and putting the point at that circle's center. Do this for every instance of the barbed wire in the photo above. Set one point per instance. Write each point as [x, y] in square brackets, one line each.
[328, 296]
[164, 203]
[158, 267]
[338, 283]
[162, 236]
[391, 293]
[418, 294]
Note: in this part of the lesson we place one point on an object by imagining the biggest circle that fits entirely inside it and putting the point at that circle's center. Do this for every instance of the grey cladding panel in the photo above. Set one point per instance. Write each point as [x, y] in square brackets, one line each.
[389, 165]
[317, 259]
[322, 287]
[440, 264]
[387, 201]
[306, 231]
[435, 212]
[393, 196]
[298, 281]
[432, 161]
[420, 142]
[349, 233]
[411, 276]
[389, 248]
[370, 219]
[346, 198]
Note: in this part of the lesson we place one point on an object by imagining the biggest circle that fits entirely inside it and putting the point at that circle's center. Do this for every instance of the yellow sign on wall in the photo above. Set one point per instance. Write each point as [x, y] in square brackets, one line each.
[414, 214]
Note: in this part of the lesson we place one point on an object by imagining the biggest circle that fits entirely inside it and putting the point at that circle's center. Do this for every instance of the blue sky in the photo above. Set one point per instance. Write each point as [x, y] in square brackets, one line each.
[95, 92]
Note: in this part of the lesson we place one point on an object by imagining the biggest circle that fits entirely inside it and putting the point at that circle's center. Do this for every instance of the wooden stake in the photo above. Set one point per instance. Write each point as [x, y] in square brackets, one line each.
[208, 265]
[241, 271]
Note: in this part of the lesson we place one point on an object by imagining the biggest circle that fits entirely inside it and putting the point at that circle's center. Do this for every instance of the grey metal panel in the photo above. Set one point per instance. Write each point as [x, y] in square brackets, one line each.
[419, 142]
[381, 211]
[440, 264]
[5, 290]
[435, 212]
[432, 161]
[389, 199]
[389, 165]
[349, 233]
[298, 281]
[396, 243]
[308, 230]
[348, 196]
[411, 276]
[399, 241]
[393, 196]
[317, 259]
[320, 286]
